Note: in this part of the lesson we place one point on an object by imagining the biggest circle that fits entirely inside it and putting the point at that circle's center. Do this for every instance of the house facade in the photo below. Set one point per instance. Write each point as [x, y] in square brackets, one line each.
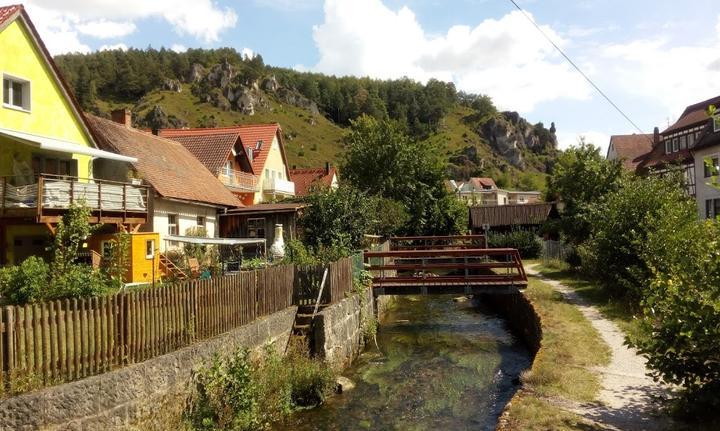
[481, 191]
[185, 196]
[706, 156]
[249, 160]
[630, 149]
[49, 158]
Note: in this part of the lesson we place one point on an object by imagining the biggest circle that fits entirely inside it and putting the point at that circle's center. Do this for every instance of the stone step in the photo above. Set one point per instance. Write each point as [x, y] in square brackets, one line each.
[303, 319]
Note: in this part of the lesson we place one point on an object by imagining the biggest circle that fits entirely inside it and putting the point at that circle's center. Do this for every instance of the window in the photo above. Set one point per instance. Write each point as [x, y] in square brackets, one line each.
[267, 174]
[675, 144]
[172, 224]
[690, 179]
[668, 147]
[691, 140]
[716, 207]
[228, 168]
[200, 221]
[150, 249]
[256, 228]
[716, 123]
[713, 167]
[51, 165]
[708, 208]
[16, 93]
[106, 249]
[683, 142]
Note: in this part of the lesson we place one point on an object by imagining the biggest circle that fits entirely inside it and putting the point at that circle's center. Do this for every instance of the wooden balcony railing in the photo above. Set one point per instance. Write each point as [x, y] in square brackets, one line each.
[50, 195]
[239, 180]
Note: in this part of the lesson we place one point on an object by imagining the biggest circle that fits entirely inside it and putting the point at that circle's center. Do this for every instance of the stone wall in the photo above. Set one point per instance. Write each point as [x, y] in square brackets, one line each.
[337, 330]
[520, 315]
[148, 395]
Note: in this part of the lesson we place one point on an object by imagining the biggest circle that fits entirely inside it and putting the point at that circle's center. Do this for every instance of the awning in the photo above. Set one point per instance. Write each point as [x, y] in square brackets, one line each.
[214, 241]
[52, 144]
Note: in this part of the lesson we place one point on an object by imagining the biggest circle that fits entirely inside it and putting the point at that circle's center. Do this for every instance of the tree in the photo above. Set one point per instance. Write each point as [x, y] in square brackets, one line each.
[580, 177]
[337, 218]
[382, 160]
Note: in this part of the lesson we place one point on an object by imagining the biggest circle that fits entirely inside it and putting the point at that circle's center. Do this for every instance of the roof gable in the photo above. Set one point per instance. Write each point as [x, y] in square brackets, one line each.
[17, 13]
[304, 179]
[166, 165]
[631, 149]
[693, 115]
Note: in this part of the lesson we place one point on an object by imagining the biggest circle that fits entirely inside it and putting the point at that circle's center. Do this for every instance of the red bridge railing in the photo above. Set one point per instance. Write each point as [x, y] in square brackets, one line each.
[448, 267]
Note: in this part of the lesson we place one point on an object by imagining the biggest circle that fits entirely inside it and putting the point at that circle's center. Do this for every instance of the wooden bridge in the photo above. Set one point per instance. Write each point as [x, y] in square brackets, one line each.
[445, 265]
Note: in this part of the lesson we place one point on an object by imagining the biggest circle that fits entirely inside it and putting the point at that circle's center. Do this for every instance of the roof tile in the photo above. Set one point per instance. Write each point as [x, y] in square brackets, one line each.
[305, 178]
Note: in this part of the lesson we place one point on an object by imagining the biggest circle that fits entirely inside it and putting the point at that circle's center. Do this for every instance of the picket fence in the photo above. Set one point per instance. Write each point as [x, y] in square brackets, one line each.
[57, 341]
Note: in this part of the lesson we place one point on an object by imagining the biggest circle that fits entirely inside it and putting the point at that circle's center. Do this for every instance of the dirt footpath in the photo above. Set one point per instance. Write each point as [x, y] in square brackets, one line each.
[629, 398]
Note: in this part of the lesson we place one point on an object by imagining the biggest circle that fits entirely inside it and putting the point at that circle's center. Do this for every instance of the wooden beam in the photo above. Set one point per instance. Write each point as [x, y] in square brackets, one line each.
[51, 228]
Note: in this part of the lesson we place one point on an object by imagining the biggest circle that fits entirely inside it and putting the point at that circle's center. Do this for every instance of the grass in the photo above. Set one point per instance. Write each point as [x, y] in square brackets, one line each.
[618, 311]
[561, 370]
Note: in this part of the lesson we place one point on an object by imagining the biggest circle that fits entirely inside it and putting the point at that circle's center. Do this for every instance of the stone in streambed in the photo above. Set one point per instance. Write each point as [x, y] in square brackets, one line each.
[343, 384]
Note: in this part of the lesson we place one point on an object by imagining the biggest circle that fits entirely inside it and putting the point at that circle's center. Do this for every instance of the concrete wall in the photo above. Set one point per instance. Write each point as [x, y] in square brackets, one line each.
[148, 395]
[704, 191]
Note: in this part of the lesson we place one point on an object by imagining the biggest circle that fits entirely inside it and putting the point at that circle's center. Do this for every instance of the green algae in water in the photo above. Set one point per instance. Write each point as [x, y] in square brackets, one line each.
[441, 365]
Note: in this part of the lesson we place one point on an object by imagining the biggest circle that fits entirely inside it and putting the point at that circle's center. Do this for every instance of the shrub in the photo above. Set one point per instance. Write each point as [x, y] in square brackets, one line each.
[622, 221]
[26, 282]
[78, 281]
[681, 310]
[525, 241]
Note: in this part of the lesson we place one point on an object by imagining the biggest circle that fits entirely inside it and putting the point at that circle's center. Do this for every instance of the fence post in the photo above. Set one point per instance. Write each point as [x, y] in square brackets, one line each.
[9, 323]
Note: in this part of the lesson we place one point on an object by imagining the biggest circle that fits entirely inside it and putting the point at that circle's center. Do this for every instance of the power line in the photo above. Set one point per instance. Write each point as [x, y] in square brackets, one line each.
[617, 108]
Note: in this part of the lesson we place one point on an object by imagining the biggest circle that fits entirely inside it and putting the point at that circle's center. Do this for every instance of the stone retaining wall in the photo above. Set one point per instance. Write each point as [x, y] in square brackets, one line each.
[148, 395]
[520, 315]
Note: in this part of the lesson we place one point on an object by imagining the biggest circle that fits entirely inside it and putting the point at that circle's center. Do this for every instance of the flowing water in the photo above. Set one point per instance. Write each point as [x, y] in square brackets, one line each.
[441, 365]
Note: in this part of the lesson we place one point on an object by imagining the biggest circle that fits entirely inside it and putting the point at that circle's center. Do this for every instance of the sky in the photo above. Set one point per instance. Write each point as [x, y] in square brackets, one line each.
[652, 58]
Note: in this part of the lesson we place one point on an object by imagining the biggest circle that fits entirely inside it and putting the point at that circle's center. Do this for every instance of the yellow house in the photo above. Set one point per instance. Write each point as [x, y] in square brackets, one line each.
[249, 159]
[47, 152]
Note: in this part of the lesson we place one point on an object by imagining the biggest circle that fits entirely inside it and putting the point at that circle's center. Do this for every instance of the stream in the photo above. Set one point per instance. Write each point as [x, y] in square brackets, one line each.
[441, 365]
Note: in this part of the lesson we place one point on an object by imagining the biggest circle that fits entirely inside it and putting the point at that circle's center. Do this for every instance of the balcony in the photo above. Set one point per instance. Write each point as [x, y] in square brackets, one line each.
[238, 180]
[279, 186]
[49, 196]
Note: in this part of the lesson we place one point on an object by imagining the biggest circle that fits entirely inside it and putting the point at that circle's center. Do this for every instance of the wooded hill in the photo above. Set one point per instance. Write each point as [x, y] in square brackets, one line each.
[217, 87]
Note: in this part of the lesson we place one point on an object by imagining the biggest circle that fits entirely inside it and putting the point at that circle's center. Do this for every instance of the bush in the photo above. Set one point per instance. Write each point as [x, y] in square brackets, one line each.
[622, 221]
[78, 281]
[26, 282]
[525, 241]
[681, 310]
[236, 393]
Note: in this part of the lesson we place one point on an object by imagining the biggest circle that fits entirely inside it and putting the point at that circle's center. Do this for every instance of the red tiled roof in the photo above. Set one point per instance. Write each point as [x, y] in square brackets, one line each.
[483, 182]
[166, 165]
[211, 150]
[249, 134]
[631, 149]
[7, 11]
[305, 178]
[693, 115]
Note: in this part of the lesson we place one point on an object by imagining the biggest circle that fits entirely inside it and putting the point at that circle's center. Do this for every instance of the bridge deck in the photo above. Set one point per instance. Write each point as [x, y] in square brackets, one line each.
[447, 269]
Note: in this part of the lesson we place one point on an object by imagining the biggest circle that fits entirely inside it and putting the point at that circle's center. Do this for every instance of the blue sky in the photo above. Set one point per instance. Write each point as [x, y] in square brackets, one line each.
[652, 57]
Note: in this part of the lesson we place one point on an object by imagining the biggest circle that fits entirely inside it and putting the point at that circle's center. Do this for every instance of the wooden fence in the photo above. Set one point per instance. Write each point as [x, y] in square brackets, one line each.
[338, 285]
[64, 340]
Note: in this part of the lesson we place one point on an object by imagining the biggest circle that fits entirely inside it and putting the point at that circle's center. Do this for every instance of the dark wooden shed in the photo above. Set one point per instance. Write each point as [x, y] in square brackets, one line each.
[506, 217]
[258, 221]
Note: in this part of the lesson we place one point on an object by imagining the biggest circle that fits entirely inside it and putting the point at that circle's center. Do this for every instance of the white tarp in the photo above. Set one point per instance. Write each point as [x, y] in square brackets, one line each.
[214, 241]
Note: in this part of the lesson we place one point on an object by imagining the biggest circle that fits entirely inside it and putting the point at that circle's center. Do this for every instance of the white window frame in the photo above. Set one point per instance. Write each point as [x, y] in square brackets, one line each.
[27, 92]
[176, 225]
[200, 218]
[675, 145]
[151, 243]
[256, 228]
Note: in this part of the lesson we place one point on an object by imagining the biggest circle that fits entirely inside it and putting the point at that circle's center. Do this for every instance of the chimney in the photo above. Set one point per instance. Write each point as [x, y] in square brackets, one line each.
[155, 131]
[122, 116]
[327, 168]
[294, 167]
[656, 135]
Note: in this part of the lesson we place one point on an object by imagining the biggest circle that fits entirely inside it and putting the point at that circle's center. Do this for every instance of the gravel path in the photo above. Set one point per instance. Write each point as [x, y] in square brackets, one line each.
[629, 398]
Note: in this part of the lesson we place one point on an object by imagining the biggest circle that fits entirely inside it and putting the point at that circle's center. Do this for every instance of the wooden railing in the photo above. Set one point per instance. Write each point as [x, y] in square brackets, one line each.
[437, 242]
[238, 180]
[465, 267]
[51, 194]
[69, 339]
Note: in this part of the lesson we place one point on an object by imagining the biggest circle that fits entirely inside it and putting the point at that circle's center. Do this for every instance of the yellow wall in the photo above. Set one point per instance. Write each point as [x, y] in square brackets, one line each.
[50, 113]
[140, 269]
[274, 162]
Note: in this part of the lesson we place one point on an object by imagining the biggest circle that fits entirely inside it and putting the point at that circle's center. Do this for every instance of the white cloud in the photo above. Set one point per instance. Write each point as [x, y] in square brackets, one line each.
[247, 53]
[60, 23]
[178, 47]
[120, 46]
[506, 58]
[570, 139]
[672, 76]
[103, 29]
